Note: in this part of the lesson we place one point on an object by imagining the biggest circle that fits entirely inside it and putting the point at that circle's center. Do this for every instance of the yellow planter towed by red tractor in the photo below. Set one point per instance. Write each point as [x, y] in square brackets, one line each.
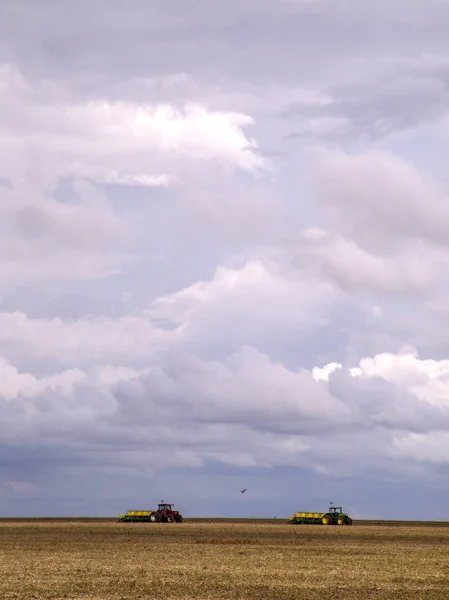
[163, 514]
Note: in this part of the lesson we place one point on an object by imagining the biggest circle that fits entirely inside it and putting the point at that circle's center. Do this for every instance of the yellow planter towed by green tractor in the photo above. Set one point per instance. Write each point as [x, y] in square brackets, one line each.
[335, 516]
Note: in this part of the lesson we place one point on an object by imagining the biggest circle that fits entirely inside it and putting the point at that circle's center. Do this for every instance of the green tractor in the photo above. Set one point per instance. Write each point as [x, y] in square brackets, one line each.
[335, 516]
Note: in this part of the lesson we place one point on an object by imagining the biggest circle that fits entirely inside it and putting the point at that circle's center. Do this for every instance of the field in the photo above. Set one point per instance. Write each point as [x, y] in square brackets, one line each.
[100, 560]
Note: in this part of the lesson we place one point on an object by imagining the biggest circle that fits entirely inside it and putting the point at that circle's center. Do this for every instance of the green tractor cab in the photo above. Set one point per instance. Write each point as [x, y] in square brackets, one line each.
[338, 516]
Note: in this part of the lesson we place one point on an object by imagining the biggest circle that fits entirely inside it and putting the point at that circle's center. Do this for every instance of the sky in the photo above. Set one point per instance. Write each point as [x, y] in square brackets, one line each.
[224, 241]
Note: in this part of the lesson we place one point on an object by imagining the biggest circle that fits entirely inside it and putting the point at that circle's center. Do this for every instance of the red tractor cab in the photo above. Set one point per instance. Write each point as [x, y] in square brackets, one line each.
[168, 514]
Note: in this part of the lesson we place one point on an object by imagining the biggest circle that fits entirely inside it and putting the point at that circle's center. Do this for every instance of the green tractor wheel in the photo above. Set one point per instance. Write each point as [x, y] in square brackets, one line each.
[349, 521]
[340, 521]
[326, 520]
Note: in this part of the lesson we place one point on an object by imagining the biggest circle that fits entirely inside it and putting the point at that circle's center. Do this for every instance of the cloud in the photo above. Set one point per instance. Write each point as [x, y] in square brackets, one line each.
[81, 341]
[352, 268]
[16, 383]
[220, 312]
[87, 231]
[223, 253]
[379, 198]
[246, 410]
[253, 392]
[423, 448]
[382, 224]
[381, 100]
[103, 140]
[231, 288]
[138, 180]
[58, 160]
[418, 394]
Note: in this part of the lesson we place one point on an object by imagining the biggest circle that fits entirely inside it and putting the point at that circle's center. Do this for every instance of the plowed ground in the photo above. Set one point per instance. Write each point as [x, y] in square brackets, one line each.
[216, 561]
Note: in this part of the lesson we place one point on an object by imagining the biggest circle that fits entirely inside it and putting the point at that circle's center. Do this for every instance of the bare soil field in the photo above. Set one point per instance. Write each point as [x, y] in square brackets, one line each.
[101, 560]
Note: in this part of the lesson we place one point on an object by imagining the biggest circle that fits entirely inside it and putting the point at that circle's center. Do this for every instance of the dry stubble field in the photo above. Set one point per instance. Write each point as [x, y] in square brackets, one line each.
[114, 561]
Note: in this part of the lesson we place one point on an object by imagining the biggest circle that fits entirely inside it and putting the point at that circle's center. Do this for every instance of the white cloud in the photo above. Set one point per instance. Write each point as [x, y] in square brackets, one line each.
[113, 177]
[322, 373]
[250, 302]
[427, 380]
[107, 140]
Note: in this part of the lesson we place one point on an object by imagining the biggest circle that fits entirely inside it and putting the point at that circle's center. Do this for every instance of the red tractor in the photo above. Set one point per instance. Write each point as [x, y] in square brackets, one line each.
[163, 514]
[166, 514]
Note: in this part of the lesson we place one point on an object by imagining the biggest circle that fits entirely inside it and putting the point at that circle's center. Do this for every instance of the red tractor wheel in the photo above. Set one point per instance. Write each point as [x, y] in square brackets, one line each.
[170, 519]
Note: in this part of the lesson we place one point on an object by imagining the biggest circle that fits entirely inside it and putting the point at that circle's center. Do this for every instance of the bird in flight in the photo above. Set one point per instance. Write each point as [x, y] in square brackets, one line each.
[243, 491]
